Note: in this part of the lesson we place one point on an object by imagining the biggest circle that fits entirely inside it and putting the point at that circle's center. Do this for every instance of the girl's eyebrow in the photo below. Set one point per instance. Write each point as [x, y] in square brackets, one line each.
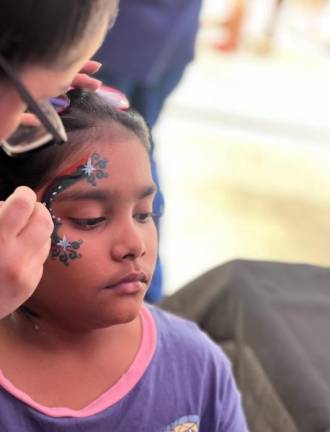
[102, 195]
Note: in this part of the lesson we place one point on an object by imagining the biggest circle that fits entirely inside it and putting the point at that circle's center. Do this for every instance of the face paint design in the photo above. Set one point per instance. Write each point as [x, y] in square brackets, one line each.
[91, 170]
[94, 168]
[65, 250]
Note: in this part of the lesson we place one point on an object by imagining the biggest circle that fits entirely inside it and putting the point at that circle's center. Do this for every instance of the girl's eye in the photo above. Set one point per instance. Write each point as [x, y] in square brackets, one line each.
[144, 217]
[88, 223]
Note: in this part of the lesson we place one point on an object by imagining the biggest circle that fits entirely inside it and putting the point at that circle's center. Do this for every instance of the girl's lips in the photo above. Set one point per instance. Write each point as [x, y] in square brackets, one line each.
[131, 283]
[133, 287]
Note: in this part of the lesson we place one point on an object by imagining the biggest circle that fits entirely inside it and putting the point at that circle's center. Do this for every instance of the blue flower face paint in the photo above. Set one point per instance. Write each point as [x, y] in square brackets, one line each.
[65, 250]
[92, 169]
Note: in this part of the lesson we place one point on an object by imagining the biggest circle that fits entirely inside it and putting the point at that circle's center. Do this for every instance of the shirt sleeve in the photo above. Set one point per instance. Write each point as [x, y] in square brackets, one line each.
[223, 411]
[233, 418]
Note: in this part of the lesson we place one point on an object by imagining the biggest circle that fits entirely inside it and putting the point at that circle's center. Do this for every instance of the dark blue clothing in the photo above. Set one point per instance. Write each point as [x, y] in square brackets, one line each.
[155, 290]
[147, 99]
[149, 38]
[144, 56]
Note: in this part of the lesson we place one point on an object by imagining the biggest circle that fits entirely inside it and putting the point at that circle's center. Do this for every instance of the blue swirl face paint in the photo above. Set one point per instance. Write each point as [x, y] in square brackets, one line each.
[65, 250]
[92, 170]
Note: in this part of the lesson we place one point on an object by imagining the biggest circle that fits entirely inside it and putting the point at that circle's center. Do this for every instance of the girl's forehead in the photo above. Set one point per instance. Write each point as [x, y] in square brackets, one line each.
[103, 139]
[122, 160]
[82, 152]
[72, 167]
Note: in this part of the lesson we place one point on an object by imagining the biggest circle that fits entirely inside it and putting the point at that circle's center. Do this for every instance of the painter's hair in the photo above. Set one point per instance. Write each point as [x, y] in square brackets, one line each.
[84, 121]
[40, 32]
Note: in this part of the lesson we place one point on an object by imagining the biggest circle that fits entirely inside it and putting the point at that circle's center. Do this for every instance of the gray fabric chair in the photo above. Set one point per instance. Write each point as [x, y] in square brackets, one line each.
[273, 320]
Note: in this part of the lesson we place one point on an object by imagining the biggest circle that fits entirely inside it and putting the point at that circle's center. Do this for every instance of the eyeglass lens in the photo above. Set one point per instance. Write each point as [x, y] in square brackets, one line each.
[32, 134]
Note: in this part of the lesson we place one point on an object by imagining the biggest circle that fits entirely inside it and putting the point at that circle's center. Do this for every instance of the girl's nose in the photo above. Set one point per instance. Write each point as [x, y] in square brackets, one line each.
[128, 243]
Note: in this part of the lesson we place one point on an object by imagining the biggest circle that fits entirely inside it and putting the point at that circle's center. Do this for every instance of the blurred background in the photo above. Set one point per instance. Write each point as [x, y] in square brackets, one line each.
[243, 143]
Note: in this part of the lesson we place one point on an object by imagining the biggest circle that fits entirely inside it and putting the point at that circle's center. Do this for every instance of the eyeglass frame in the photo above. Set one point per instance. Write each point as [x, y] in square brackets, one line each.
[57, 138]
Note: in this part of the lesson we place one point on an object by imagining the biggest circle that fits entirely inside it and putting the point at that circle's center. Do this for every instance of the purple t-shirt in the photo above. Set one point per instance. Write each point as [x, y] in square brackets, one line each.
[179, 381]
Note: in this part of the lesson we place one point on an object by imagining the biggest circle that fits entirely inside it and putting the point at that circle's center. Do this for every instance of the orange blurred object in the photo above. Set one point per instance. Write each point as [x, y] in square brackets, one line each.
[232, 27]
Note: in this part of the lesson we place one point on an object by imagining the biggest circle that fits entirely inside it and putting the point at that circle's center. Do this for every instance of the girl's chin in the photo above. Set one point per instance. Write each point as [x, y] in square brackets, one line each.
[120, 316]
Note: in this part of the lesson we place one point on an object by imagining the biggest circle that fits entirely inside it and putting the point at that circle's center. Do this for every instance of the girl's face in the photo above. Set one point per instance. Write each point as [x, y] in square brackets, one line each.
[46, 82]
[104, 244]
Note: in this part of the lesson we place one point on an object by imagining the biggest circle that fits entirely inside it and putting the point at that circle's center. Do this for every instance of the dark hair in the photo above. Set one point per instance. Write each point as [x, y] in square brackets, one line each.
[39, 31]
[84, 121]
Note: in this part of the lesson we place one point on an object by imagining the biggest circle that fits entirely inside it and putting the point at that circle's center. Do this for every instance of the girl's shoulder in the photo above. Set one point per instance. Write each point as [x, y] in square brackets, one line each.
[179, 335]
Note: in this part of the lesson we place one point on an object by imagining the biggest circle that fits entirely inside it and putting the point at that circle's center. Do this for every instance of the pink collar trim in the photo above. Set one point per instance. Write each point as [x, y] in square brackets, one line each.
[117, 391]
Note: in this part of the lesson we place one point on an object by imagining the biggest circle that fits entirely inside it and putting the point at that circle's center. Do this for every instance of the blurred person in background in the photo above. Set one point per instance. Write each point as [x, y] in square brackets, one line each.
[145, 56]
[231, 25]
[43, 45]
[260, 19]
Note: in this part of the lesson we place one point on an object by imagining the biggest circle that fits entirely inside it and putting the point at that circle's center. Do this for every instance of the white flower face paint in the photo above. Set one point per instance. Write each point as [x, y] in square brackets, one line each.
[64, 244]
[88, 168]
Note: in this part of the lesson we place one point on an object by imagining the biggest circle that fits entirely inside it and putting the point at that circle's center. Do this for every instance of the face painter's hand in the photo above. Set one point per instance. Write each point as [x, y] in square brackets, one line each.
[25, 230]
[81, 80]
[84, 80]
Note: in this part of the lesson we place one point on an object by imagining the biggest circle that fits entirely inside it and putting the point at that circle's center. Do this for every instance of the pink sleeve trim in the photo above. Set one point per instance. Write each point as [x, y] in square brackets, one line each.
[123, 386]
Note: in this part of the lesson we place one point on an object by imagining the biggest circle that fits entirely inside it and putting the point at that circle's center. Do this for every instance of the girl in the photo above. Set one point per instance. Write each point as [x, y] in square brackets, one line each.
[43, 44]
[84, 353]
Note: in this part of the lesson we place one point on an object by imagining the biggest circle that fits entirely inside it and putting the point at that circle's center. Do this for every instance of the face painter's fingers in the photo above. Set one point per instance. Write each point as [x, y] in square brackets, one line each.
[38, 231]
[36, 268]
[25, 229]
[33, 269]
[28, 119]
[91, 67]
[16, 211]
[83, 78]
[85, 81]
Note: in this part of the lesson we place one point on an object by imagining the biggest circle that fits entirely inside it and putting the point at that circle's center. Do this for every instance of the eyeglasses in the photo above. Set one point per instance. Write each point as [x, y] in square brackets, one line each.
[49, 128]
